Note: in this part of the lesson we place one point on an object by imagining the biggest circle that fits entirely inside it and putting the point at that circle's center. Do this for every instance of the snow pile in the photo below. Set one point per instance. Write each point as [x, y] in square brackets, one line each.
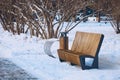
[28, 53]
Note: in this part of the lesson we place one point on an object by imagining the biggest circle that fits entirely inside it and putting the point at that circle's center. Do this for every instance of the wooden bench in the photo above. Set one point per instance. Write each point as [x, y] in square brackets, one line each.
[85, 47]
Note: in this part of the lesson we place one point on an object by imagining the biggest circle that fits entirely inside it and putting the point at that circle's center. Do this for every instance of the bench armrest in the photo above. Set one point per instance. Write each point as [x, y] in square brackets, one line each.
[86, 61]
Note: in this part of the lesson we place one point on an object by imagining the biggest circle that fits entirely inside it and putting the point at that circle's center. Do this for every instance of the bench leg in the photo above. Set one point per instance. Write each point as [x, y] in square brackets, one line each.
[82, 61]
[94, 65]
[61, 60]
[72, 64]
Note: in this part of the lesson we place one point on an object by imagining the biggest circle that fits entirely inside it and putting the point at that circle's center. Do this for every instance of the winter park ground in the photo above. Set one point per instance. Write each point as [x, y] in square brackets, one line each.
[25, 56]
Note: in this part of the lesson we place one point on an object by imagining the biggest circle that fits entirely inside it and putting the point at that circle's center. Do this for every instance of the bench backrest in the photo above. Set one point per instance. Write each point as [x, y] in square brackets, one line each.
[87, 43]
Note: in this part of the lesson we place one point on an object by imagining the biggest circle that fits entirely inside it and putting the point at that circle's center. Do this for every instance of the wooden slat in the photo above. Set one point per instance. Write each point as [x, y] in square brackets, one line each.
[86, 43]
[73, 58]
[61, 54]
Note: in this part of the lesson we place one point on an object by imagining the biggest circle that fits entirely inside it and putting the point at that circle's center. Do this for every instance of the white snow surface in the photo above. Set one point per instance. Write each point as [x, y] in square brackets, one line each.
[28, 53]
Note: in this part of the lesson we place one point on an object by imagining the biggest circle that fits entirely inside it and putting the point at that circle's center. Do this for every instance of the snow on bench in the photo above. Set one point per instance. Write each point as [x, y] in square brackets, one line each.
[47, 46]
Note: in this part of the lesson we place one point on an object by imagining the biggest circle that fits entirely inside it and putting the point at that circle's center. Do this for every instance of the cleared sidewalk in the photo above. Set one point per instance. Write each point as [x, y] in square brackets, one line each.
[10, 71]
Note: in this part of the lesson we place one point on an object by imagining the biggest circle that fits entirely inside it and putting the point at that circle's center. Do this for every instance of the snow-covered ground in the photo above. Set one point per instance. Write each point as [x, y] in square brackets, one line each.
[28, 53]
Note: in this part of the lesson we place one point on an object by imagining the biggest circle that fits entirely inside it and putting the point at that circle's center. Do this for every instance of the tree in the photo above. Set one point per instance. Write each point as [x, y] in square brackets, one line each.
[112, 10]
[39, 16]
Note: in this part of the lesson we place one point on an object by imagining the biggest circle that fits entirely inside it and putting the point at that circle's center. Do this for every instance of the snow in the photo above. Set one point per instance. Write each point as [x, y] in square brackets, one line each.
[28, 53]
